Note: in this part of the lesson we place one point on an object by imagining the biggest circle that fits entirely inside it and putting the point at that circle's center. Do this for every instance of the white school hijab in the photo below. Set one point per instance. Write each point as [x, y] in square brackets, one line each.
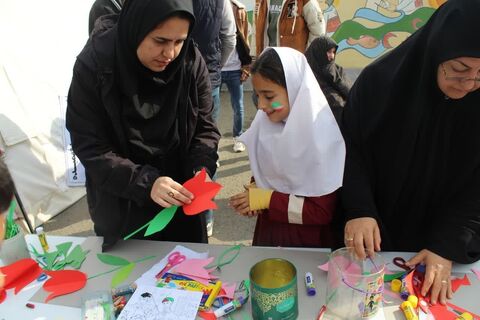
[305, 154]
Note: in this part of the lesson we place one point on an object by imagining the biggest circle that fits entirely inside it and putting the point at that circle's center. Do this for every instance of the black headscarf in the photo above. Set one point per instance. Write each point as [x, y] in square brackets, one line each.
[413, 157]
[151, 98]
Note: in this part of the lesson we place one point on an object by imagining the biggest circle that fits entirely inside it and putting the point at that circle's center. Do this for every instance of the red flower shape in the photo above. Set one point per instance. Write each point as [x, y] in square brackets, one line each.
[203, 191]
[64, 282]
[20, 273]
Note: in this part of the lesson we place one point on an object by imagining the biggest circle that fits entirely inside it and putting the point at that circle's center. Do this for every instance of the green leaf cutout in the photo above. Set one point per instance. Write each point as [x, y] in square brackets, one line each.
[112, 260]
[77, 256]
[122, 274]
[390, 277]
[161, 220]
[50, 258]
[63, 248]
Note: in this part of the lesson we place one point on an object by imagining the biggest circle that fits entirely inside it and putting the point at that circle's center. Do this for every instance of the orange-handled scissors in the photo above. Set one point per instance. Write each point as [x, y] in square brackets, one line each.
[174, 258]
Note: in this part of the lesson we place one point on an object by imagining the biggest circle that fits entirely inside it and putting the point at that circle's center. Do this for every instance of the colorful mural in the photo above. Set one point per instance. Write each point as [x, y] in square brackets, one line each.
[366, 29]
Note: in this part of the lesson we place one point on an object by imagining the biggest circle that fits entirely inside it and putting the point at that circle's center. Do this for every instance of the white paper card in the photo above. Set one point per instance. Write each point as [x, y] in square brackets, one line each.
[154, 303]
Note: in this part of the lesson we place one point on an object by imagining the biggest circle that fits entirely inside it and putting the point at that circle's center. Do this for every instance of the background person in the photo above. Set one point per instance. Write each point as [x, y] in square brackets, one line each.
[330, 76]
[287, 23]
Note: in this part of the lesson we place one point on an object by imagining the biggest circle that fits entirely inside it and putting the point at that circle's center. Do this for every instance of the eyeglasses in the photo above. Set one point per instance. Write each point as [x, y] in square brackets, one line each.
[459, 79]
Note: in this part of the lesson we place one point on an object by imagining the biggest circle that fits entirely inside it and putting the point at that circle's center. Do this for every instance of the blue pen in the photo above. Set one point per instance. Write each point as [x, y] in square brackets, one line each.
[309, 284]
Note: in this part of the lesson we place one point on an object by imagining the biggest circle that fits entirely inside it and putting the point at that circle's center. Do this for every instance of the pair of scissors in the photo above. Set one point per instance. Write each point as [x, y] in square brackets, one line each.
[401, 263]
[174, 258]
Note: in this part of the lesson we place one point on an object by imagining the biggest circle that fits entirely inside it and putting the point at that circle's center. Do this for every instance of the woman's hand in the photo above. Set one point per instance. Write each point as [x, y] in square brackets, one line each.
[437, 275]
[167, 192]
[364, 235]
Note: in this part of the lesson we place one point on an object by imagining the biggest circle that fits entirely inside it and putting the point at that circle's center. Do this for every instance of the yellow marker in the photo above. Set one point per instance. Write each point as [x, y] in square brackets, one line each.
[213, 294]
[43, 238]
[408, 310]
[413, 300]
[465, 316]
[396, 285]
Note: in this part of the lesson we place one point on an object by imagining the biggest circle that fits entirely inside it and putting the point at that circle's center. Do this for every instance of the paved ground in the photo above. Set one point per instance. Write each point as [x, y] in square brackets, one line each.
[233, 173]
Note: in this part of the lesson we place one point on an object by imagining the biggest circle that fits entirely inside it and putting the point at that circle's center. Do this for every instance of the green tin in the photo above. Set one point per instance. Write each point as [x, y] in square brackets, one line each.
[273, 291]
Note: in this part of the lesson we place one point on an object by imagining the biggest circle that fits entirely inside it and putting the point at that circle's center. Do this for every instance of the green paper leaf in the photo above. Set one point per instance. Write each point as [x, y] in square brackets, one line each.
[112, 260]
[390, 277]
[122, 274]
[77, 256]
[50, 258]
[161, 220]
[63, 248]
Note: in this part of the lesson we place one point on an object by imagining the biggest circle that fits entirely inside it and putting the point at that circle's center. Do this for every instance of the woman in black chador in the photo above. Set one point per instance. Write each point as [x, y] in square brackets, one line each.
[139, 114]
[412, 128]
[330, 76]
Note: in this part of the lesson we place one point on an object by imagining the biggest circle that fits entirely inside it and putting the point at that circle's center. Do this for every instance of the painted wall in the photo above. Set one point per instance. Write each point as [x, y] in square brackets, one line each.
[366, 29]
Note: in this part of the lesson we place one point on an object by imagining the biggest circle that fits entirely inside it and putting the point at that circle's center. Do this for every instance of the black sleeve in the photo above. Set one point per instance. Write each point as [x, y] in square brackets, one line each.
[344, 84]
[357, 192]
[204, 144]
[456, 236]
[95, 143]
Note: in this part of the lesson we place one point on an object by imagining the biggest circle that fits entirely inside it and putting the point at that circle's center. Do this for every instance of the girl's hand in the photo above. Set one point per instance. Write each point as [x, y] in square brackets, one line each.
[240, 203]
[364, 235]
[437, 275]
[167, 192]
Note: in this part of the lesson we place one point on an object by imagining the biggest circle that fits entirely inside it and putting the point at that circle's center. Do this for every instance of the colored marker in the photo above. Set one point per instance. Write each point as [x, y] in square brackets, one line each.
[229, 307]
[213, 294]
[465, 316]
[276, 105]
[309, 284]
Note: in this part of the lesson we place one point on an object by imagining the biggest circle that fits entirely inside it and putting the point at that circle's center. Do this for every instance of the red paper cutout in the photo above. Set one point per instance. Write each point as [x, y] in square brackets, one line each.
[64, 282]
[457, 283]
[203, 191]
[205, 315]
[3, 295]
[20, 273]
[441, 311]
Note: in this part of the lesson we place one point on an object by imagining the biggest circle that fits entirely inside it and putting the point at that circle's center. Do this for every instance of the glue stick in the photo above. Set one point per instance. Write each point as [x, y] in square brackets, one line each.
[408, 310]
[465, 316]
[43, 238]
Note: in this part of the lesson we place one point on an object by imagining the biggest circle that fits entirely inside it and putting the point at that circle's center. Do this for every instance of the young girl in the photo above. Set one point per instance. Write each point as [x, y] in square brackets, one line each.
[296, 153]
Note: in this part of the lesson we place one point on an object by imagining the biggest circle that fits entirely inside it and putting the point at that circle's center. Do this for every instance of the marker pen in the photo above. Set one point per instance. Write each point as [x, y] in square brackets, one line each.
[229, 307]
[309, 284]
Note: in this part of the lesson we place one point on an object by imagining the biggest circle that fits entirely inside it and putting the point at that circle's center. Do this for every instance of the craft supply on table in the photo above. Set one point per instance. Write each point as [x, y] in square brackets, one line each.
[120, 297]
[97, 306]
[309, 284]
[408, 310]
[42, 237]
[174, 258]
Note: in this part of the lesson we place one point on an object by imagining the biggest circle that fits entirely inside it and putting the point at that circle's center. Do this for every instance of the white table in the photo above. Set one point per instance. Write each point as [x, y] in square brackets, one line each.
[68, 307]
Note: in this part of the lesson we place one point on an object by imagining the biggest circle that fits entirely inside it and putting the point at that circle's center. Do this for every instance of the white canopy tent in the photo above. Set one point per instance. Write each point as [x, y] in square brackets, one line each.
[39, 41]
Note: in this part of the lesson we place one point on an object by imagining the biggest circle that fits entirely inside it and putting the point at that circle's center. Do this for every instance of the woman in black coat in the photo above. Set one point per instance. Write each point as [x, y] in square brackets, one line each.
[140, 118]
[412, 129]
[330, 76]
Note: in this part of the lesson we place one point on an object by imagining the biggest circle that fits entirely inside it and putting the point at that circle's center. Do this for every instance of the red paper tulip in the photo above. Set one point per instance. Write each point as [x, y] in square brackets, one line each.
[203, 191]
[64, 282]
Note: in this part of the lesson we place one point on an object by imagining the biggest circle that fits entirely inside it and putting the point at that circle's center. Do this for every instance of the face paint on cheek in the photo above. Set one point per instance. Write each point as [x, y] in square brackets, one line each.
[277, 106]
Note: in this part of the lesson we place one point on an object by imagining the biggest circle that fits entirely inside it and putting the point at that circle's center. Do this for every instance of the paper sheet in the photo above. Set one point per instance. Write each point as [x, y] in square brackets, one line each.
[154, 303]
[148, 278]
